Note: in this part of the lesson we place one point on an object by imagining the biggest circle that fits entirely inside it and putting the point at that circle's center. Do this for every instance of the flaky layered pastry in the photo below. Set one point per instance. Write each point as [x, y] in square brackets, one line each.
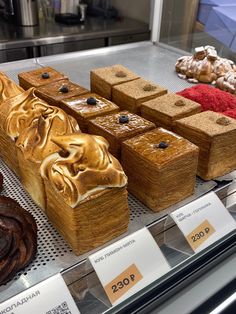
[227, 82]
[83, 167]
[8, 88]
[204, 66]
[35, 141]
[19, 112]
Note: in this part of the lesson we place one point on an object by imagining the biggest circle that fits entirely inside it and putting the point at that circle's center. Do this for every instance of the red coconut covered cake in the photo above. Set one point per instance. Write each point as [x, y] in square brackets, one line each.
[211, 98]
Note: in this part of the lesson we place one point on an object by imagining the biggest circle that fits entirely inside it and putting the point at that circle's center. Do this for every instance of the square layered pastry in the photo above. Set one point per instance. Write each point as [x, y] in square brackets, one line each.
[88, 106]
[58, 91]
[39, 77]
[161, 167]
[215, 135]
[103, 79]
[129, 96]
[118, 127]
[164, 110]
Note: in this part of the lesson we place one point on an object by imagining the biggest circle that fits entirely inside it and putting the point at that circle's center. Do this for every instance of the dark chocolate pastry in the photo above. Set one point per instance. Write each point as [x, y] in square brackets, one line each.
[18, 238]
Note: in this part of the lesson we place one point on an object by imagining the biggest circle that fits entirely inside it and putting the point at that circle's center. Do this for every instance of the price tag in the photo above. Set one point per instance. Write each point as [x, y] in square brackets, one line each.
[204, 221]
[47, 297]
[129, 265]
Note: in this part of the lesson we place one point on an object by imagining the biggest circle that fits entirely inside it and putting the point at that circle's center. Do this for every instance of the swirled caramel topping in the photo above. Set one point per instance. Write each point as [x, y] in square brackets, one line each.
[82, 168]
[35, 141]
[8, 88]
[25, 109]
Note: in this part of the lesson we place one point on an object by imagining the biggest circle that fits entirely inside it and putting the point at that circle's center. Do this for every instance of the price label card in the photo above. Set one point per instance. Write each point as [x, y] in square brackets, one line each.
[48, 297]
[129, 265]
[204, 221]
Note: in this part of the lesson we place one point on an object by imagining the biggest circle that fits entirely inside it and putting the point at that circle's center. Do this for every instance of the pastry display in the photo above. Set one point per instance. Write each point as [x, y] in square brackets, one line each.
[164, 110]
[18, 238]
[215, 135]
[8, 88]
[86, 107]
[86, 191]
[39, 77]
[204, 66]
[103, 79]
[16, 114]
[209, 97]
[129, 96]
[118, 127]
[161, 167]
[227, 82]
[34, 144]
[55, 92]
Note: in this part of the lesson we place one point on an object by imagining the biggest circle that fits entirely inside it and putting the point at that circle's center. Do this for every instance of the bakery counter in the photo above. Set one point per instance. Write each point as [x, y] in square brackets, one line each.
[54, 255]
[49, 37]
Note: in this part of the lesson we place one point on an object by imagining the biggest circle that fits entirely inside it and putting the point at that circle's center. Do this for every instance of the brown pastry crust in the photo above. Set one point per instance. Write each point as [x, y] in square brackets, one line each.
[116, 132]
[102, 79]
[160, 177]
[82, 111]
[216, 139]
[18, 244]
[227, 82]
[129, 96]
[8, 88]
[164, 110]
[52, 95]
[34, 78]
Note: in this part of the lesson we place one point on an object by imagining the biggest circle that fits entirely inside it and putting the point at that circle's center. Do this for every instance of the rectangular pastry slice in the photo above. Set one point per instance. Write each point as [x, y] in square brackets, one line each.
[88, 106]
[103, 79]
[56, 92]
[86, 191]
[161, 167]
[215, 135]
[118, 127]
[129, 96]
[39, 77]
[164, 110]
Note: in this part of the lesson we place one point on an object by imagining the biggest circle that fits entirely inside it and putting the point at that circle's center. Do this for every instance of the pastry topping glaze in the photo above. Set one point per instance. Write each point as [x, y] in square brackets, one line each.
[86, 169]
[120, 74]
[91, 101]
[162, 145]
[149, 87]
[64, 89]
[8, 88]
[223, 121]
[123, 119]
[45, 75]
[179, 103]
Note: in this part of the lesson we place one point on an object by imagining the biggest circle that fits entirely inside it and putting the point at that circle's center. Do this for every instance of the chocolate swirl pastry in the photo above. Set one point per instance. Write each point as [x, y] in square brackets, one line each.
[18, 238]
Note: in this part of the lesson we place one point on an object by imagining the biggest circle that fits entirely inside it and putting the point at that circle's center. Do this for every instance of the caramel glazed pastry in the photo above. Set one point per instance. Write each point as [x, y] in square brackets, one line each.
[8, 88]
[204, 66]
[18, 238]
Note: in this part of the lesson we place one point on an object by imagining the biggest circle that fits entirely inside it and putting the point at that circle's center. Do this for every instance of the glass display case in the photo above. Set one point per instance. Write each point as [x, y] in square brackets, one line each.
[187, 268]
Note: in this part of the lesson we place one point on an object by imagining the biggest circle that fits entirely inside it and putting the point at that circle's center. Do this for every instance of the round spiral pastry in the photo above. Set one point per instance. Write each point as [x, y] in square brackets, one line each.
[227, 82]
[204, 66]
[18, 238]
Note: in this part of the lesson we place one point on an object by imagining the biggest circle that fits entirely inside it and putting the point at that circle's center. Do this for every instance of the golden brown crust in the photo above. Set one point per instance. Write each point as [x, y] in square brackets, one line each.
[82, 168]
[34, 78]
[8, 88]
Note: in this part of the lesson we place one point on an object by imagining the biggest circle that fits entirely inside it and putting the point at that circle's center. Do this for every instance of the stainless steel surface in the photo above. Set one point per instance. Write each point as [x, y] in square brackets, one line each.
[26, 12]
[149, 61]
[48, 32]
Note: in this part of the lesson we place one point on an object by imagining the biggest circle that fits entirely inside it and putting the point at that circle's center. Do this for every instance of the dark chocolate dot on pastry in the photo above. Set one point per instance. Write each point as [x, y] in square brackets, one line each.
[64, 89]
[45, 75]
[179, 103]
[91, 101]
[121, 74]
[149, 87]
[123, 119]
[162, 145]
[223, 121]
